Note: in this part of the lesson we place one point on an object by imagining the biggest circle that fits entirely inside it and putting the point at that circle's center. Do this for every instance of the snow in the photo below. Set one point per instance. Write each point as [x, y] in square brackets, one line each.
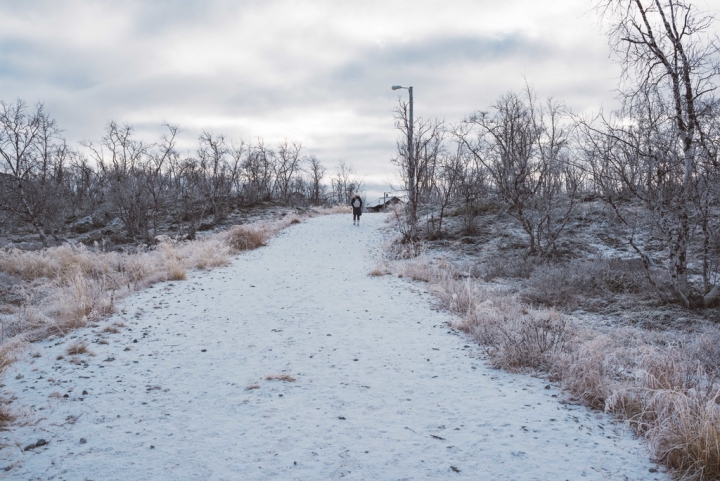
[383, 388]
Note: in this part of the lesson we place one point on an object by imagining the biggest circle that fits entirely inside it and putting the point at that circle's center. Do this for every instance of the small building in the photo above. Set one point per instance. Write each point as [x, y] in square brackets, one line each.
[383, 203]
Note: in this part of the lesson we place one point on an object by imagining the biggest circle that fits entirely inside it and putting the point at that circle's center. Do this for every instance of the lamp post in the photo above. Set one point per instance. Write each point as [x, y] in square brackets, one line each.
[411, 163]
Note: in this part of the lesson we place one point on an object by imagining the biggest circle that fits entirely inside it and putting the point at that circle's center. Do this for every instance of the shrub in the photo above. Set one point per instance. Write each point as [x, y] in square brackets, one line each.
[241, 238]
[505, 267]
[573, 284]
[77, 348]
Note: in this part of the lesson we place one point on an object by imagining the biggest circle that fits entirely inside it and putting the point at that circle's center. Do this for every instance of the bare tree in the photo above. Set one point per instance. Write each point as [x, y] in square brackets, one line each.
[522, 148]
[461, 179]
[345, 184]
[317, 172]
[121, 160]
[286, 167]
[416, 163]
[669, 61]
[32, 159]
[218, 172]
[257, 172]
[157, 176]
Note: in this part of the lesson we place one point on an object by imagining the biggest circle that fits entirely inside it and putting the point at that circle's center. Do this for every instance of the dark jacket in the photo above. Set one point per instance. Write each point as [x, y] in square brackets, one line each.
[356, 210]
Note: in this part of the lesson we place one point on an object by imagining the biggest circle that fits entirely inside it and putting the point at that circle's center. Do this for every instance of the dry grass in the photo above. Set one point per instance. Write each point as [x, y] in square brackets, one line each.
[379, 271]
[665, 385]
[77, 348]
[252, 386]
[335, 209]
[280, 377]
[6, 415]
[241, 238]
[9, 352]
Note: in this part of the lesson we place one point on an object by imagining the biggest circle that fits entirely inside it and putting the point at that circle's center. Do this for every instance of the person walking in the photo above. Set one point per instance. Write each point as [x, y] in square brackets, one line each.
[356, 203]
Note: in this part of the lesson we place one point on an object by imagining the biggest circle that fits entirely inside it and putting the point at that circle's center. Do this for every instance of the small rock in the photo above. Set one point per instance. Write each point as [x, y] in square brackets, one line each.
[85, 393]
[152, 447]
[455, 469]
[203, 350]
[66, 395]
[342, 418]
[83, 440]
[134, 340]
[653, 470]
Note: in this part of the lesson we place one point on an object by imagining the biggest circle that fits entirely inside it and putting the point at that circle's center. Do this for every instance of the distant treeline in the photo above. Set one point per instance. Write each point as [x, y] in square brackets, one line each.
[45, 184]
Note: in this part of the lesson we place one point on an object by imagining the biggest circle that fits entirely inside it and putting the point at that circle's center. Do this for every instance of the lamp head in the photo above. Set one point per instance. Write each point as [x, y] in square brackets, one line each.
[395, 87]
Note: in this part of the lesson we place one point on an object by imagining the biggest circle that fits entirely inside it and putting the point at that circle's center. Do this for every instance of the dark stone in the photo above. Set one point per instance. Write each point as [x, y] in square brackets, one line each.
[40, 442]
[85, 393]
[83, 440]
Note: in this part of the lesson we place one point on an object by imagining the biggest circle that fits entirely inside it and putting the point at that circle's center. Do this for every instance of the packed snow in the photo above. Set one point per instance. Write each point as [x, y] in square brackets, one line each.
[383, 388]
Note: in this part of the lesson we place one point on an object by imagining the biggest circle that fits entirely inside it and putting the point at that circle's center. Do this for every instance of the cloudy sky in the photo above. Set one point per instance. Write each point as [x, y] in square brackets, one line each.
[316, 71]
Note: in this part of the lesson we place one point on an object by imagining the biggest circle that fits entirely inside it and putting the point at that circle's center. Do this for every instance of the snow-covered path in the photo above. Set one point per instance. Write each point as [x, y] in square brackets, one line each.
[382, 389]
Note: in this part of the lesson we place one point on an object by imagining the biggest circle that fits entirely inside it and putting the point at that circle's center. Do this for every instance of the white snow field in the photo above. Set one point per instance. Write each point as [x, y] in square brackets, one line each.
[383, 390]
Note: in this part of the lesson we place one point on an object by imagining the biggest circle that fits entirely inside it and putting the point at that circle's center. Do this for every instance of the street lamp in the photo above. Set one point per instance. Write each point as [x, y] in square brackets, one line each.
[411, 165]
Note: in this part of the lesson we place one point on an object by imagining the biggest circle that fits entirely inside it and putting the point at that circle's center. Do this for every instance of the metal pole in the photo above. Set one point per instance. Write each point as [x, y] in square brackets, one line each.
[411, 161]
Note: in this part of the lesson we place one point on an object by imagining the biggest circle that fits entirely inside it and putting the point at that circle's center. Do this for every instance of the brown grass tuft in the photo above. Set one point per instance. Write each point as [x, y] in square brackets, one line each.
[252, 386]
[280, 377]
[6, 415]
[335, 209]
[77, 348]
[378, 272]
[176, 272]
[9, 352]
[242, 238]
